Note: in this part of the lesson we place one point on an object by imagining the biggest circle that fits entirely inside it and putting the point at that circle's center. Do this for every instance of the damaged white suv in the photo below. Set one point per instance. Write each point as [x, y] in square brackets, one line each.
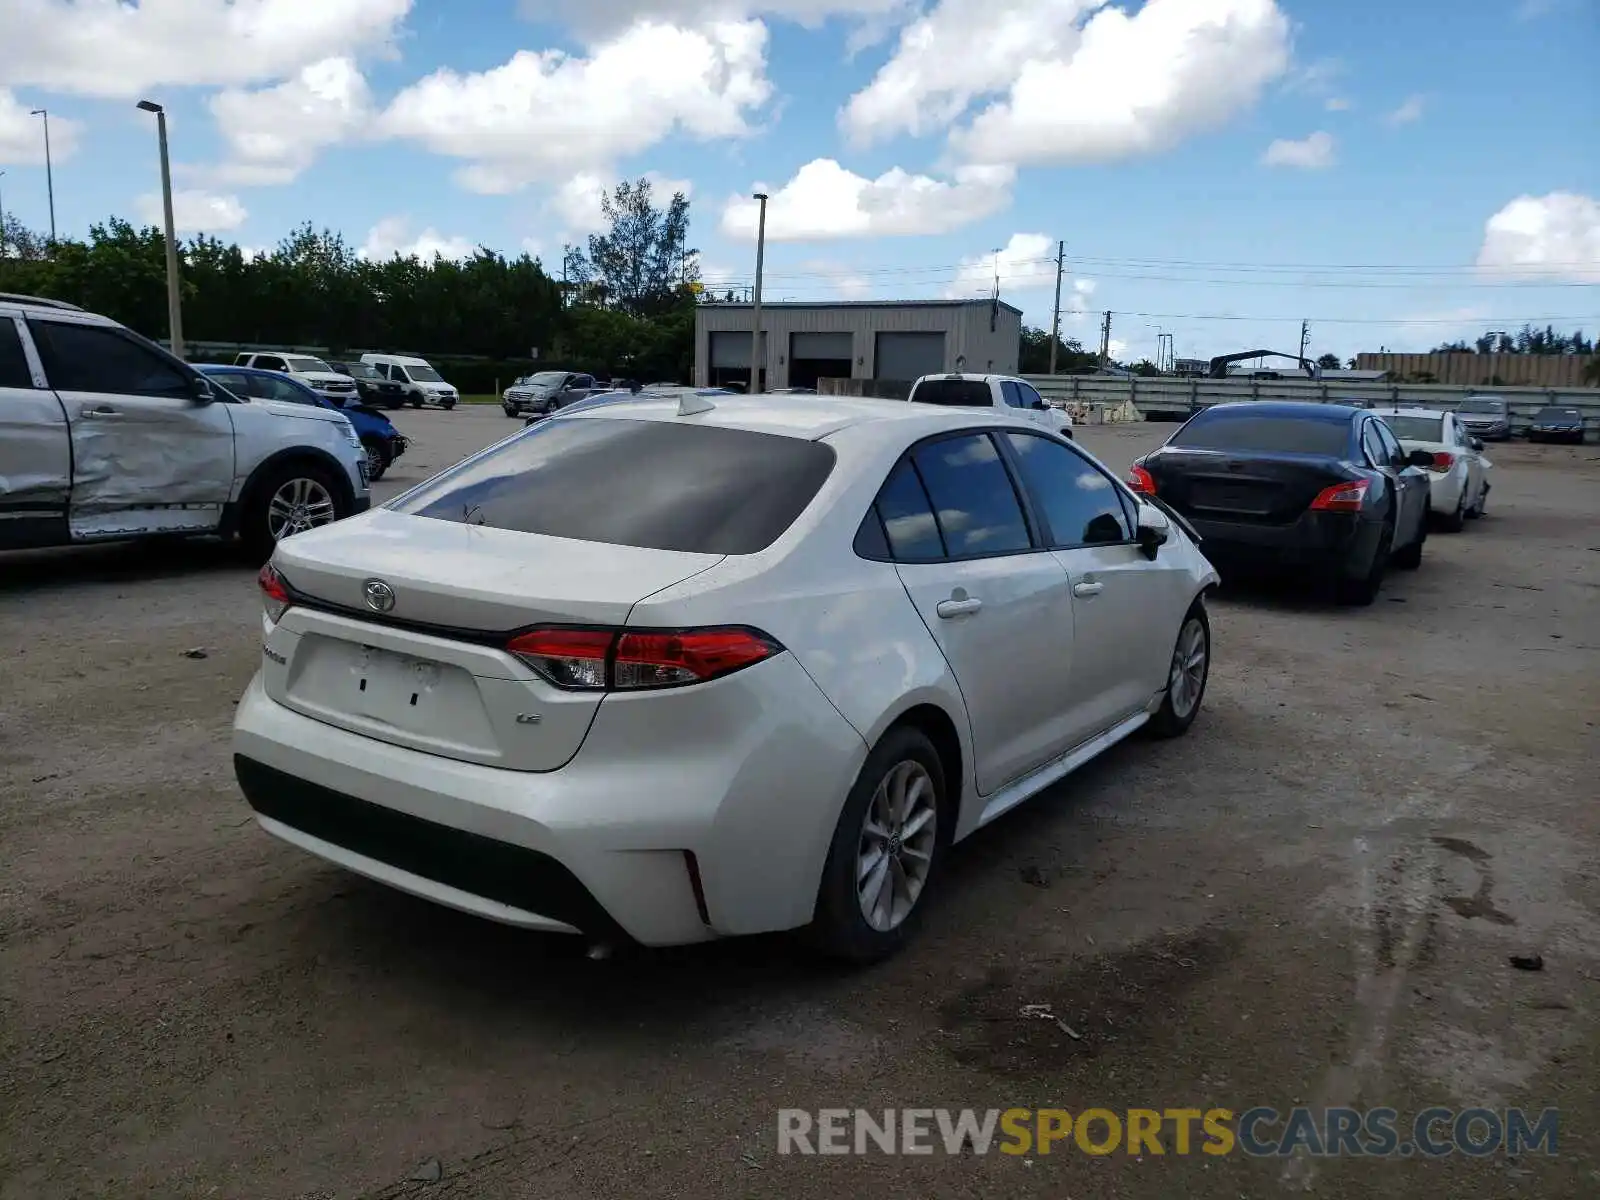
[106, 436]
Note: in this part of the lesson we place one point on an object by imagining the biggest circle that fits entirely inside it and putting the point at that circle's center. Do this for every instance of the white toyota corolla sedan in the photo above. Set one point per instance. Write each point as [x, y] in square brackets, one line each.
[681, 669]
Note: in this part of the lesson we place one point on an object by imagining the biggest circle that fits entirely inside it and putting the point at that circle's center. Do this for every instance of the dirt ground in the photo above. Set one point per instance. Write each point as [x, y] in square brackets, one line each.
[1310, 899]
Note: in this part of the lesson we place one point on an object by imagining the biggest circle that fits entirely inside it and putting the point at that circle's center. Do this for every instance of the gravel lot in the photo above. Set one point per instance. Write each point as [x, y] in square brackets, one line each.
[1312, 898]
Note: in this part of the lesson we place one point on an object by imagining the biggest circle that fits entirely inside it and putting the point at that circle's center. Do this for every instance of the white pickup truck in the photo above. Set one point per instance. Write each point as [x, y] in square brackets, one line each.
[313, 372]
[106, 436]
[991, 391]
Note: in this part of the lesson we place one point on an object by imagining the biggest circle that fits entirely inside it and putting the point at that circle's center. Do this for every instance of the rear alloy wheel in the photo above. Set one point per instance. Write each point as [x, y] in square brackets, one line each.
[1410, 558]
[1456, 520]
[1363, 591]
[886, 850]
[1186, 675]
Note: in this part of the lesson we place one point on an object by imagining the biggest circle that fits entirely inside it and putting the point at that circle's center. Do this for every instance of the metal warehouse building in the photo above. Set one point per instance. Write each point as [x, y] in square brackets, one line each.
[890, 340]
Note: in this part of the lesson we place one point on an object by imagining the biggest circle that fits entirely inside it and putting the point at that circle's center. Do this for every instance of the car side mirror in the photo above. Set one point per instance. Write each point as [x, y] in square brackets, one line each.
[1475, 443]
[1419, 458]
[1041, 406]
[200, 390]
[1153, 531]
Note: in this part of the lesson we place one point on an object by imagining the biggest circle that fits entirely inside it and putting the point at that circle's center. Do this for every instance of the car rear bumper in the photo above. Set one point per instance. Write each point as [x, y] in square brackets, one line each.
[1340, 542]
[741, 787]
[1444, 490]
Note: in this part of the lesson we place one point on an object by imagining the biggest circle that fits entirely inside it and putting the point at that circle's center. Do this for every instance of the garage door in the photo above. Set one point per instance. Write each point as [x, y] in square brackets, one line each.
[821, 345]
[731, 350]
[908, 355]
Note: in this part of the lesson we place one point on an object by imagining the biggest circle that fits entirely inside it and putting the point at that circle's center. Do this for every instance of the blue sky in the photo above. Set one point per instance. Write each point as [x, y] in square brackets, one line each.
[1398, 174]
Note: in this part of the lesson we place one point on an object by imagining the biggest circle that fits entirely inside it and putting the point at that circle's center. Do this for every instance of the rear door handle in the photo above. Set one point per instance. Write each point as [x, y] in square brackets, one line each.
[1088, 589]
[958, 608]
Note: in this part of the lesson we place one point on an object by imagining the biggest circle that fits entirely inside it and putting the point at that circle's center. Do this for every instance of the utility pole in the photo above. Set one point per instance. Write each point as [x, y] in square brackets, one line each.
[1055, 321]
[755, 331]
[49, 172]
[174, 294]
[2, 220]
[1105, 340]
[1305, 338]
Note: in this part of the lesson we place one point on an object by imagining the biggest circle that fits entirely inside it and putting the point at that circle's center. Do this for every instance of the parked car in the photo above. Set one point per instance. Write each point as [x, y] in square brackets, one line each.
[602, 399]
[1321, 487]
[308, 369]
[1486, 417]
[991, 391]
[381, 440]
[1556, 424]
[373, 387]
[416, 377]
[1459, 475]
[715, 666]
[107, 437]
[547, 391]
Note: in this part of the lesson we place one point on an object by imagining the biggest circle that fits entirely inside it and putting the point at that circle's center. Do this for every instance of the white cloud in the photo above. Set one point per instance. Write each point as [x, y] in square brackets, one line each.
[193, 211]
[602, 16]
[824, 200]
[1409, 111]
[116, 49]
[1337, 104]
[392, 236]
[1028, 260]
[1312, 153]
[22, 135]
[275, 133]
[544, 115]
[1554, 237]
[1072, 89]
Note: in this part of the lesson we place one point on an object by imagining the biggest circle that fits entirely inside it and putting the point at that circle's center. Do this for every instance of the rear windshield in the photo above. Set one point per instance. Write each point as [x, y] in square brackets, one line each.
[1219, 429]
[957, 393]
[1416, 429]
[653, 484]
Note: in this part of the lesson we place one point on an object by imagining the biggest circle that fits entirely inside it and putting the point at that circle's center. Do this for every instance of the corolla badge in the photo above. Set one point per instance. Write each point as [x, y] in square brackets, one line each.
[378, 595]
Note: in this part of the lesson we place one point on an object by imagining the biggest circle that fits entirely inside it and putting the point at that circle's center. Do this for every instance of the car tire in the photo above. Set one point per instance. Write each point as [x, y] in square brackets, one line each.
[1361, 592]
[378, 458]
[394, 405]
[903, 764]
[1458, 519]
[1410, 557]
[261, 515]
[1187, 674]
[447, 405]
[509, 410]
[414, 401]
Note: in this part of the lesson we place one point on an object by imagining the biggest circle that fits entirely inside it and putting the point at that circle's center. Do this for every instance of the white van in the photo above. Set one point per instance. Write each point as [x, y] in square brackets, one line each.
[422, 383]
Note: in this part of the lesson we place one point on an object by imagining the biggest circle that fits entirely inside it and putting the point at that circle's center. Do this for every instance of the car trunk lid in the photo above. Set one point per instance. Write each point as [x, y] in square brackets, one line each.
[430, 670]
[1219, 485]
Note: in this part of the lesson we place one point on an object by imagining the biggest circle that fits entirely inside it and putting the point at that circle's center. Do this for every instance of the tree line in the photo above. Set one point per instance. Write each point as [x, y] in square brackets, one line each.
[1526, 340]
[626, 305]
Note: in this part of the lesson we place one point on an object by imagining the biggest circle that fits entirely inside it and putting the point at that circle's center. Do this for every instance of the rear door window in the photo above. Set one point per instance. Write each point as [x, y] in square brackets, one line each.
[14, 371]
[1246, 432]
[958, 393]
[660, 485]
[973, 497]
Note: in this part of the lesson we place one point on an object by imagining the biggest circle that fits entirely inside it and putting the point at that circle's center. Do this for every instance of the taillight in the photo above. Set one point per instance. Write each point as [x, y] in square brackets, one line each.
[275, 598]
[575, 659]
[1341, 497]
[595, 660]
[1141, 481]
[1443, 461]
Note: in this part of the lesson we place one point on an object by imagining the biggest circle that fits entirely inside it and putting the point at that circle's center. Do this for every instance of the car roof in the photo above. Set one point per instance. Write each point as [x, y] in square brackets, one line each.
[809, 417]
[1296, 409]
[974, 376]
[213, 368]
[1412, 411]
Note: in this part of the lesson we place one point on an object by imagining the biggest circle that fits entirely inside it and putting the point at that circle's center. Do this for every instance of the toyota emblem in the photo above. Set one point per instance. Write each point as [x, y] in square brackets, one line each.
[378, 594]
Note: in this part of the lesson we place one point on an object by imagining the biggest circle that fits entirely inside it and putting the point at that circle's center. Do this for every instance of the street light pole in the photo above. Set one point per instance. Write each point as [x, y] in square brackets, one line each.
[49, 171]
[174, 300]
[755, 332]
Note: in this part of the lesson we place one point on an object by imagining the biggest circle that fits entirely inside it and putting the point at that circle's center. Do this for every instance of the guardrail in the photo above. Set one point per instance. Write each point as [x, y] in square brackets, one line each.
[1166, 397]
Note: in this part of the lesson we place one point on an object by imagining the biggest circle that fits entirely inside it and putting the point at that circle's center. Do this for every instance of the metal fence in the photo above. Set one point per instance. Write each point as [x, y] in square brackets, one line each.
[1165, 397]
